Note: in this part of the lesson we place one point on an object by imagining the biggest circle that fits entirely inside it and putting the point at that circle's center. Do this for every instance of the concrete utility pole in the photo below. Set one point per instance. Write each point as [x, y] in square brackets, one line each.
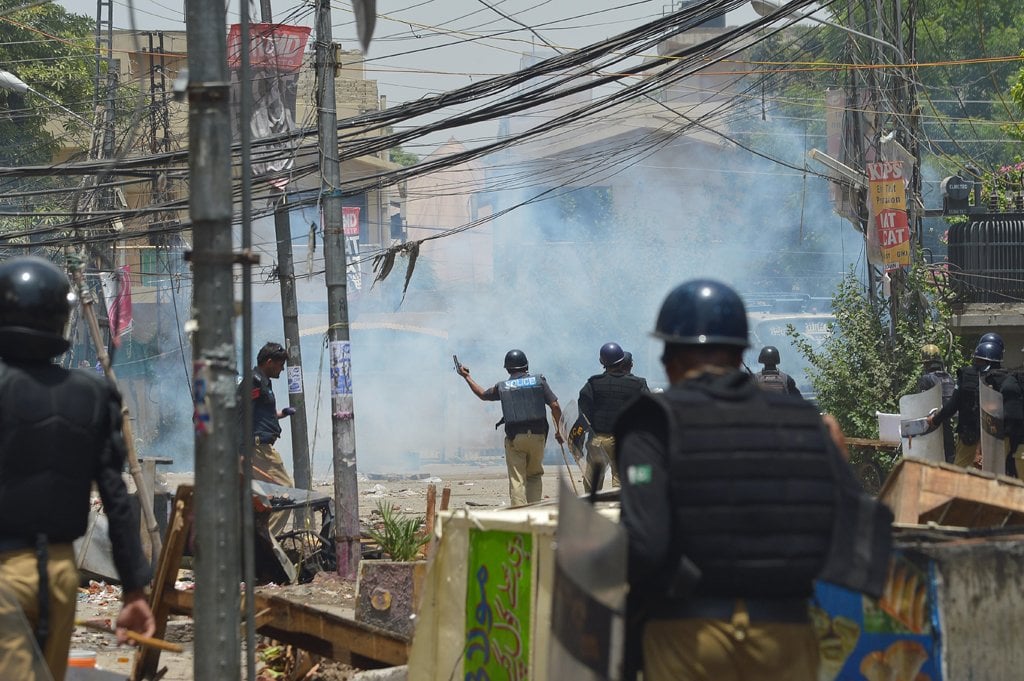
[290, 312]
[218, 516]
[346, 497]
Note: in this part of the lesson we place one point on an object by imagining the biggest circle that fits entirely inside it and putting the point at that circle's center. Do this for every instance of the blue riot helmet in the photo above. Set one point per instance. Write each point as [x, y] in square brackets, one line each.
[702, 312]
[611, 354]
[990, 353]
[515, 360]
[992, 337]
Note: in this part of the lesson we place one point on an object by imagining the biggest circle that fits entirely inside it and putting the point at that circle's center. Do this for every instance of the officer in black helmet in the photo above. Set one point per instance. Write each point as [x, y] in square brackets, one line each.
[966, 403]
[522, 397]
[60, 432]
[720, 481]
[770, 377]
[601, 399]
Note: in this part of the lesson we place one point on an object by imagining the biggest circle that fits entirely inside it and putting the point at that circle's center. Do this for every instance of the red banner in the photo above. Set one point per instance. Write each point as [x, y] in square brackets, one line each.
[119, 311]
[350, 220]
[274, 46]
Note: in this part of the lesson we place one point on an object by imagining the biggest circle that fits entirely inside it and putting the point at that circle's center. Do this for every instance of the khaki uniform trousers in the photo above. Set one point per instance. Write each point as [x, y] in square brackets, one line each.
[524, 454]
[601, 452]
[19, 582]
[737, 650]
[1018, 455]
[965, 453]
[271, 468]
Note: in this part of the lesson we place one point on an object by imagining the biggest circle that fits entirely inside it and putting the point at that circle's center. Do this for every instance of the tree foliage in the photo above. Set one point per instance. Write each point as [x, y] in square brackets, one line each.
[52, 50]
[861, 367]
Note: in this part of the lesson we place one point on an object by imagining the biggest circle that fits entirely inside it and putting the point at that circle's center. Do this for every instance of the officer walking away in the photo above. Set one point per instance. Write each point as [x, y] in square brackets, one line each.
[934, 373]
[601, 399]
[770, 378]
[966, 403]
[60, 432]
[267, 462]
[735, 499]
[522, 397]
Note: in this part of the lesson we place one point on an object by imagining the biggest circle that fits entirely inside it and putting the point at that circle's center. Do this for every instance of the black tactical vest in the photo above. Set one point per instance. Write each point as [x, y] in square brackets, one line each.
[55, 427]
[611, 393]
[754, 491]
[947, 383]
[522, 405]
[968, 422]
[772, 380]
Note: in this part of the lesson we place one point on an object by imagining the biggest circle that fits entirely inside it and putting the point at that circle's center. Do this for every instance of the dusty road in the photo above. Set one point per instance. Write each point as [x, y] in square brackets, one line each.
[472, 486]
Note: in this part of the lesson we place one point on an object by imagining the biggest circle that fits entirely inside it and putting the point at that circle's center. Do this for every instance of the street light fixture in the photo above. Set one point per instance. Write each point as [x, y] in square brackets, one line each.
[767, 7]
[9, 81]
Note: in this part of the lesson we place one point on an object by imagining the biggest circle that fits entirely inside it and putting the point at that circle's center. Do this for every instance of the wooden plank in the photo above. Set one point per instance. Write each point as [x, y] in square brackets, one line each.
[179, 527]
[920, 491]
[316, 631]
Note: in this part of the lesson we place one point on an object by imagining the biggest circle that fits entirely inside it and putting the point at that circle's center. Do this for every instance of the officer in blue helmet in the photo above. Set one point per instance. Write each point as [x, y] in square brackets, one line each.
[523, 399]
[965, 402]
[720, 481]
[601, 399]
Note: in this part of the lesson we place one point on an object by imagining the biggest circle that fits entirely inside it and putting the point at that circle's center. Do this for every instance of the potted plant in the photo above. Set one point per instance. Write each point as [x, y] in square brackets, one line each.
[387, 590]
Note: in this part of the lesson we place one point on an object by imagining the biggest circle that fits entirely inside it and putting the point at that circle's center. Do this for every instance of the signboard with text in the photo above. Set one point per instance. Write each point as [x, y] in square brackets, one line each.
[888, 201]
[498, 606]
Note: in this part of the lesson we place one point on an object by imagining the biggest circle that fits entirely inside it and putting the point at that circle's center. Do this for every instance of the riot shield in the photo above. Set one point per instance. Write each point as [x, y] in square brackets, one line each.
[993, 446]
[589, 596]
[20, 657]
[574, 433]
[916, 406]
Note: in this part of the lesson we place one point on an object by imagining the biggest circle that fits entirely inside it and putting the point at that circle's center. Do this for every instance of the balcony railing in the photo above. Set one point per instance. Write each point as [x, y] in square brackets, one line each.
[986, 259]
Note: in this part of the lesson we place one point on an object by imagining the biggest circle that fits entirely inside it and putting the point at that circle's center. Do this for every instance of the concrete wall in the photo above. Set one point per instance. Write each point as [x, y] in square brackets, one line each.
[980, 604]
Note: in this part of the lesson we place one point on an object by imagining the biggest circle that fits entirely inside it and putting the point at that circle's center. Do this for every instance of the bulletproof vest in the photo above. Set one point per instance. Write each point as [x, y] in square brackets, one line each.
[768, 451]
[55, 428]
[611, 393]
[522, 404]
[772, 380]
[969, 413]
[947, 383]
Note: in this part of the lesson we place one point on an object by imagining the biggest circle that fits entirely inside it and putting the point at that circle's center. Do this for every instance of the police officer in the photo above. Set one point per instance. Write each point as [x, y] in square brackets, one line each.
[267, 462]
[738, 478]
[770, 378]
[966, 403]
[522, 397]
[60, 432]
[934, 373]
[601, 399]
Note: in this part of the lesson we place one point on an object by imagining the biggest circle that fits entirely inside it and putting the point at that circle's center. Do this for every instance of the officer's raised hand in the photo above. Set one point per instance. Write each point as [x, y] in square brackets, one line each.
[287, 411]
[463, 370]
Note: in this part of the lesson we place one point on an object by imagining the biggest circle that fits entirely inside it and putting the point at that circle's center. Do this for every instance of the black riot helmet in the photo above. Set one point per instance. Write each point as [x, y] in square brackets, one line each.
[769, 356]
[992, 337]
[35, 303]
[702, 312]
[611, 355]
[515, 360]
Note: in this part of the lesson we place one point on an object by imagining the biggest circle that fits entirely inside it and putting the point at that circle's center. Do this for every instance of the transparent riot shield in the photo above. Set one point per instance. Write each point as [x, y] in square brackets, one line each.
[20, 657]
[912, 408]
[589, 596]
[993, 446]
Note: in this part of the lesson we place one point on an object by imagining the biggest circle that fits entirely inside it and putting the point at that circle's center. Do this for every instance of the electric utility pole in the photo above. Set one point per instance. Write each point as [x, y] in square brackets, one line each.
[290, 313]
[343, 436]
[218, 513]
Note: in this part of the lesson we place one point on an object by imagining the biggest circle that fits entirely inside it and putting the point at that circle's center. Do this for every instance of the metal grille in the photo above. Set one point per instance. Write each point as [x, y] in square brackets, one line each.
[986, 258]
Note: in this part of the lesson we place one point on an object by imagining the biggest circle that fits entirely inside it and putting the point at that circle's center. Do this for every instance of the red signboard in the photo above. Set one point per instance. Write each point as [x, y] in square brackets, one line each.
[272, 46]
[350, 220]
